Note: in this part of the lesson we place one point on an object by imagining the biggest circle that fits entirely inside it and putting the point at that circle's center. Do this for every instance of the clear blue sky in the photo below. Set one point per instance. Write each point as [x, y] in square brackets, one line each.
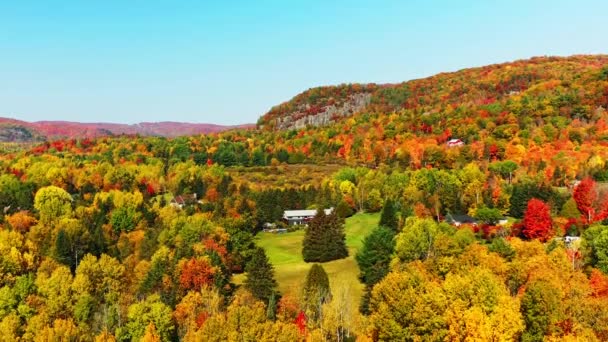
[228, 62]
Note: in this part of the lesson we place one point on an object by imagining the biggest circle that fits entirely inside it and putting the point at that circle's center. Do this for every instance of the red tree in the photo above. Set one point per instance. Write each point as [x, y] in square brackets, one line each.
[301, 322]
[585, 196]
[588, 201]
[537, 221]
[599, 283]
[195, 273]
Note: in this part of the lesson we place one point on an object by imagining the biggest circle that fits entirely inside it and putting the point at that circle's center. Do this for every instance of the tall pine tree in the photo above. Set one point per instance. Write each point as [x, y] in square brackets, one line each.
[63, 252]
[325, 239]
[388, 218]
[316, 291]
[374, 259]
[260, 276]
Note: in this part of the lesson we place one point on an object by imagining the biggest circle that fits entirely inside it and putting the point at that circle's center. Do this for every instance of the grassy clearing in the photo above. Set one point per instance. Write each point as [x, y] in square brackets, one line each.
[285, 253]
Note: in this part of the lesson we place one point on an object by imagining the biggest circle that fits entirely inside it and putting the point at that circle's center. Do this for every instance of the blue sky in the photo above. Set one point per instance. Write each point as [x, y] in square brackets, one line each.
[228, 62]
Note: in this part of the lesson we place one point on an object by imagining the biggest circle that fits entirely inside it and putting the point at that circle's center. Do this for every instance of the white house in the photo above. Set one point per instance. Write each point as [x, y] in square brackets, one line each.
[455, 143]
[302, 216]
[458, 220]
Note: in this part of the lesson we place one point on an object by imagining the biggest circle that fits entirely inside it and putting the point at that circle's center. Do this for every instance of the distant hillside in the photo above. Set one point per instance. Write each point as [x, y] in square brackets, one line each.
[570, 83]
[12, 130]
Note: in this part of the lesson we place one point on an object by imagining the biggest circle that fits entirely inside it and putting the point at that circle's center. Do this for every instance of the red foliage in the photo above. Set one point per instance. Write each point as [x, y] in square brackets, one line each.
[196, 273]
[212, 245]
[489, 231]
[201, 319]
[150, 190]
[301, 322]
[589, 202]
[572, 224]
[573, 255]
[599, 283]
[212, 195]
[17, 173]
[288, 307]
[537, 221]
[493, 152]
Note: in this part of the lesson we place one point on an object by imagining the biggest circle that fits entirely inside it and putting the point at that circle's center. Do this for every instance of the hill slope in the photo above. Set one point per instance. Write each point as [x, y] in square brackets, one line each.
[12, 130]
[467, 87]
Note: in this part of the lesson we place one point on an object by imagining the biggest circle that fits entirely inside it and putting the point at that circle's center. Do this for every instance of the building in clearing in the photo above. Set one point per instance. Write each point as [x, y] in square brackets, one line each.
[455, 143]
[301, 216]
[458, 220]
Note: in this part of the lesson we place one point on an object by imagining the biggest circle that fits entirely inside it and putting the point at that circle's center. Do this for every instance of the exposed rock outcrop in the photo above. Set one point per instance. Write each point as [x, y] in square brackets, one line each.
[302, 117]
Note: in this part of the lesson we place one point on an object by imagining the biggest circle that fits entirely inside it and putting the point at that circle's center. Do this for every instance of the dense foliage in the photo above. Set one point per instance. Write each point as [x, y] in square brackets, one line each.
[324, 239]
[133, 238]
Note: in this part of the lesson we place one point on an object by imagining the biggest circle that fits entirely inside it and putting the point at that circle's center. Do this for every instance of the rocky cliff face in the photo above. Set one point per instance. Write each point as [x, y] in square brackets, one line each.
[300, 119]
[307, 115]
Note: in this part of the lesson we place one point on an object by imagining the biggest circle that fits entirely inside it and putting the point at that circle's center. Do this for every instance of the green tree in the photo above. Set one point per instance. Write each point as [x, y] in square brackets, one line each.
[14, 194]
[502, 248]
[316, 291]
[539, 307]
[524, 191]
[260, 276]
[569, 210]
[324, 239]
[52, 203]
[595, 246]
[374, 260]
[141, 314]
[504, 168]
[388, 218]
[63, 249]
[488, 215]
[344, 210]
[123, 219]
[258, 158]
[417, 239]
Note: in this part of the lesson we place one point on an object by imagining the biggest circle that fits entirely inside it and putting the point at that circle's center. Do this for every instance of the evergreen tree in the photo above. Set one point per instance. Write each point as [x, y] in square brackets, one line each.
[260, 276]
[324, 239]
[374, 259]
[271, 309]
[523, 192]
[539, 308]
[388, 218]
[316, 291]
[62, 248]
[344, 209]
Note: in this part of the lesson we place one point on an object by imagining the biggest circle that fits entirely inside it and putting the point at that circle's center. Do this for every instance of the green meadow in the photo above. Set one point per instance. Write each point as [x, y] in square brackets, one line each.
[285, 254]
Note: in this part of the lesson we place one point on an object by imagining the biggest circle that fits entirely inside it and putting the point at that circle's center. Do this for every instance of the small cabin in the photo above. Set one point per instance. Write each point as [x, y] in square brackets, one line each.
[294, 217]
[458, 220]
[183, 200]
[455, 143]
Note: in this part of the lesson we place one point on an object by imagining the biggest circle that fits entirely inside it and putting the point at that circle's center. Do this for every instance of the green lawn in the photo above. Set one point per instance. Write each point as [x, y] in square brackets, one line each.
[285, 253]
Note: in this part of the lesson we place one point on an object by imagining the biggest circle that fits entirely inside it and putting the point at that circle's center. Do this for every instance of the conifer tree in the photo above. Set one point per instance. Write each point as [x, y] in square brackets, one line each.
[260, 276]
[316, 291]
[62, 248]
[324, 239]
[271, 308]
[388, 218]
[374, 259]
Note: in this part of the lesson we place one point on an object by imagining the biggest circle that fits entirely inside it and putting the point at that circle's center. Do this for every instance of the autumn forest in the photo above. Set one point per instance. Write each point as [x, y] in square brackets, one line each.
[486, 189]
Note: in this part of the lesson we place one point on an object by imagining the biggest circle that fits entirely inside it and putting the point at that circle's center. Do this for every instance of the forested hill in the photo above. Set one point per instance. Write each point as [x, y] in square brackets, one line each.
[572, 87]
[12, 130]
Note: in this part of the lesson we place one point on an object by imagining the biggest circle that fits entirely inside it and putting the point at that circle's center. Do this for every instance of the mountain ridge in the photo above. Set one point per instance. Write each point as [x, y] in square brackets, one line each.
[319, 106]
[14, 130]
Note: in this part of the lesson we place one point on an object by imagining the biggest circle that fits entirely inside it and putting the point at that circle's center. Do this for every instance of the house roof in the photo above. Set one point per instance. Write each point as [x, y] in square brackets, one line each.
[182, 199]
[287, 214]
[460, 218]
